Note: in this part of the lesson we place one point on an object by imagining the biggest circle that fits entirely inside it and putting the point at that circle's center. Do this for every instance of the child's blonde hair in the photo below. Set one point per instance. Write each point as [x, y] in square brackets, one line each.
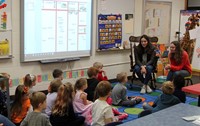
[121, 76]
[80, 83]
[37, 98]
[98, 65]
[168, 87]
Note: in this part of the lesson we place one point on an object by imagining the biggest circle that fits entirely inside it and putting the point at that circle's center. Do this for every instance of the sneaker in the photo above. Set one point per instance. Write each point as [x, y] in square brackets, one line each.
[143, 90]
[138, 100]
[149, 90]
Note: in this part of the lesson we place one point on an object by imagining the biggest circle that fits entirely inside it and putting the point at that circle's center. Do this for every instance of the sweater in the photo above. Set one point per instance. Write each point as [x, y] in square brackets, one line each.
[185, 63]
[36, 119]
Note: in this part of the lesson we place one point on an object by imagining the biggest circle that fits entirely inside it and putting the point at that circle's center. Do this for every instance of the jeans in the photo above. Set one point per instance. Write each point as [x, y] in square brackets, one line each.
[5, 121]
[172, 74]
[147, 107]
[147, 77]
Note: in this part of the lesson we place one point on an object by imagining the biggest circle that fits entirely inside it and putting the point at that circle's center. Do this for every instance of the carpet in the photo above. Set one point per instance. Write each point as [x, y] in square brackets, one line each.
[149, 98]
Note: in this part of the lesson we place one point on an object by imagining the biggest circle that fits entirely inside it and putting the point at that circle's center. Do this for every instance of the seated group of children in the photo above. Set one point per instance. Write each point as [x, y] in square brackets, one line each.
[86, 103]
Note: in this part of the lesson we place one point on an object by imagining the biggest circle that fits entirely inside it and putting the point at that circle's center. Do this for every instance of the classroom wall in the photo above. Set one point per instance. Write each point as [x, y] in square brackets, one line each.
[114, 61]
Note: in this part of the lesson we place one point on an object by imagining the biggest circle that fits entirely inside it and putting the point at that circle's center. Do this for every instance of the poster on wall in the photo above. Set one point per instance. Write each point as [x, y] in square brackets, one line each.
[189, 35]
[109, 31]
[5, 28]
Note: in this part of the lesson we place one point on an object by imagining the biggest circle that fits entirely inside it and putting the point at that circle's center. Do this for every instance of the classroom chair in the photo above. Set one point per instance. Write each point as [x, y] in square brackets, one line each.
[188, 80]
[134, 39]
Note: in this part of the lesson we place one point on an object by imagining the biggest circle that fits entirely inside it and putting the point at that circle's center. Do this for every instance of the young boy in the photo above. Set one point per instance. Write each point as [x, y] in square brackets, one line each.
[57, 73]
[165, 100]
[119, 92]
[36, 118]
[101, 111]
[92, 83]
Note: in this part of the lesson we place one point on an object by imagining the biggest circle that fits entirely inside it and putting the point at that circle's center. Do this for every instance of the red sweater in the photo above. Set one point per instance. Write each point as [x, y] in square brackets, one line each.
[185, 64]
[101, 77]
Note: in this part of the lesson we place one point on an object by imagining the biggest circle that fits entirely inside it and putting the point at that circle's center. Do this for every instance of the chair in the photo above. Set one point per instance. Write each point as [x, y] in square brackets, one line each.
[134, 39]
[188, 80]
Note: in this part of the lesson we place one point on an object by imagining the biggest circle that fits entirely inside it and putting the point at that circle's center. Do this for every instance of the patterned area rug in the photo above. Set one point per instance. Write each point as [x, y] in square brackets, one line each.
[134, 111]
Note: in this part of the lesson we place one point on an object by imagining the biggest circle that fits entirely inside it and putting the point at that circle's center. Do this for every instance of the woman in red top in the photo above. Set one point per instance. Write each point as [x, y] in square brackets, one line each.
[179, 62]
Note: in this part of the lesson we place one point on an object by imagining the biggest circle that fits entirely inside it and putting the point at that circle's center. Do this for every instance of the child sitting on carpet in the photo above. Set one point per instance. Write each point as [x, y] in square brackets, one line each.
[165, 100]
[101, 111]
[37, 118]
[179, 82]
[119, 92]
[92, 82]
[63, 111]
[102, 74]
[80, 103]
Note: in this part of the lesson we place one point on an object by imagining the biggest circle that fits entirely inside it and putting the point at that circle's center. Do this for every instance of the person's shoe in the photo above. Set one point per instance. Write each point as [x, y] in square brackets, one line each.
[143, 90]
[149, 90]
[138, 100]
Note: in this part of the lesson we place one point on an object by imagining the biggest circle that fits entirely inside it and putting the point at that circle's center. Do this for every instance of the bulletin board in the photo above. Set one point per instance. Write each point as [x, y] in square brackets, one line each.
[120, 8]
[5, 29]
[194, 34]
[157, 20]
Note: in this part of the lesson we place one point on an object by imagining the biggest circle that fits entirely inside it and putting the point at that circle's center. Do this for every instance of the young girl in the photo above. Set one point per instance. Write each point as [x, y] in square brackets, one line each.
[30, 81]
[102, 74]
[21, 105]
[119, 92]
[3, 94]
[81, 104]
[63, 111]
[101, 111]
[51, 96]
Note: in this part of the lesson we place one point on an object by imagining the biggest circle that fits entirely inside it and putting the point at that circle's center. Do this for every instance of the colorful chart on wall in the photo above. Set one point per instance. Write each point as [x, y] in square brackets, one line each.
[109, 31]
[5, 29]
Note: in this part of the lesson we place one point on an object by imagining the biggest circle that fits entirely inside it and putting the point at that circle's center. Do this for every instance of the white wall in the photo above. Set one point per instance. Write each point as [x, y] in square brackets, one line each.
[114, 61]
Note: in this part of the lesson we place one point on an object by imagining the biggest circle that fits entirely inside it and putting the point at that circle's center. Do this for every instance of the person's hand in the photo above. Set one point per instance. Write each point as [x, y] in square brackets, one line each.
[144, 104]
[143, 70]
[167, 67]
[104, 73]
[1, 124]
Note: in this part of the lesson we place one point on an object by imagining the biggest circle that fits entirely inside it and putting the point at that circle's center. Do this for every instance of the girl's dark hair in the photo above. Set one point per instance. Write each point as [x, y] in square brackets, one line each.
[148, 47]
[17, 104]
[179, 81]
[79, 83]
[29, 78]
[177, 55]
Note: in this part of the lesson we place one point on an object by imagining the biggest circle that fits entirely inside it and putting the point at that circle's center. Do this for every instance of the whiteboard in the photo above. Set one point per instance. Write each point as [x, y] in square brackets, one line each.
[118, 7]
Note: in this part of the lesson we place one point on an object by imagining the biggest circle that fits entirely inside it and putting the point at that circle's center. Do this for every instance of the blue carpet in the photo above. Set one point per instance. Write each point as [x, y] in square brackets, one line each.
[134, 111]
